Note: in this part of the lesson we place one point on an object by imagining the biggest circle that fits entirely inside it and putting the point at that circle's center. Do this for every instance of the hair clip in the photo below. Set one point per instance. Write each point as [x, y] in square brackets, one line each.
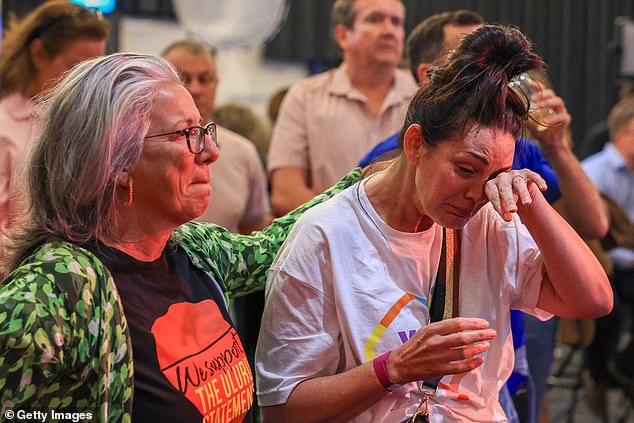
[432, 73]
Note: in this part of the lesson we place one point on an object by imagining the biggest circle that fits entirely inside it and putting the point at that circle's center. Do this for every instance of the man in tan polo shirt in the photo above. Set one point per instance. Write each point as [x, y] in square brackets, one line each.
[329, 121]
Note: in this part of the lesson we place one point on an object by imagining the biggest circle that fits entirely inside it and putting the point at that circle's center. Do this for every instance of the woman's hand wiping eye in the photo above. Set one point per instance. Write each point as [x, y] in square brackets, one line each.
[510, 190]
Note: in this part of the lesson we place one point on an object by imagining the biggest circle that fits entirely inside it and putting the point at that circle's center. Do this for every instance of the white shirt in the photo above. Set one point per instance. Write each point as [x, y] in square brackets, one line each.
[346, 287]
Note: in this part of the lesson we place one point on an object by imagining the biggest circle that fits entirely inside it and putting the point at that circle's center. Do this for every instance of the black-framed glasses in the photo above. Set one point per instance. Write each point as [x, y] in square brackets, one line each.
[195, 136]
[79, 13]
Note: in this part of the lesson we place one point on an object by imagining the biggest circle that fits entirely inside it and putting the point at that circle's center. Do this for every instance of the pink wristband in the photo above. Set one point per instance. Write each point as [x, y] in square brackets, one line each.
[380, 370]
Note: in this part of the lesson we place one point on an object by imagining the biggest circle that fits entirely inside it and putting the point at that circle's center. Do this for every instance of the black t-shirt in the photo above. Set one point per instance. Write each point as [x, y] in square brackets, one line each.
[188, 359]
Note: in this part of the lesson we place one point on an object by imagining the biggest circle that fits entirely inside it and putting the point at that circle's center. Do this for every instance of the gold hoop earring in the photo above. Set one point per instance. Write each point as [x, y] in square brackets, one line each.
[130, 193]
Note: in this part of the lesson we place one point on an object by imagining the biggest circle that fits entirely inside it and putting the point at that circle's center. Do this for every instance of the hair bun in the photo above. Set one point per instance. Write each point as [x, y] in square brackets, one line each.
[472, 86]
[495, 49]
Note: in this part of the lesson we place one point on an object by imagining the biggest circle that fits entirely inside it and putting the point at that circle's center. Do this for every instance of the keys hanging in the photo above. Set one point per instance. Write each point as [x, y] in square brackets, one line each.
[422, 411]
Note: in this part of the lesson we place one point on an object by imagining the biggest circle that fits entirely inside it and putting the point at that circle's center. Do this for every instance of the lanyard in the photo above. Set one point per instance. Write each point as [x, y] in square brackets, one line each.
[444, 300]
[444, 305]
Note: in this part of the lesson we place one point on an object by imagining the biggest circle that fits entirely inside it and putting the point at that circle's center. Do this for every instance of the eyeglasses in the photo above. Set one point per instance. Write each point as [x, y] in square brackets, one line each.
[195, 136]
[80, 13]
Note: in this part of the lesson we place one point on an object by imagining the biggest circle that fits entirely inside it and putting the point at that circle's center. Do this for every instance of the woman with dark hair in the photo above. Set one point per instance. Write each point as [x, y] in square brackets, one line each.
[409, 275]
[116, 304]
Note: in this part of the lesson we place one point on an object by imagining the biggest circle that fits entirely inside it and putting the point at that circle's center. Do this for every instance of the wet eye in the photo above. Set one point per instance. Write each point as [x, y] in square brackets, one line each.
[466, 171]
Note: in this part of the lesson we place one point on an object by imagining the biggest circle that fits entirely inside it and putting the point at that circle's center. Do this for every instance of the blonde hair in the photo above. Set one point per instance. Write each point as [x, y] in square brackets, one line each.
[620, 116]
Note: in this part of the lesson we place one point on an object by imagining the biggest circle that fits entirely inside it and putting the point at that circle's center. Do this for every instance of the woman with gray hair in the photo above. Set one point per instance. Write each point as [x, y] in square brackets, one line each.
[113, 292]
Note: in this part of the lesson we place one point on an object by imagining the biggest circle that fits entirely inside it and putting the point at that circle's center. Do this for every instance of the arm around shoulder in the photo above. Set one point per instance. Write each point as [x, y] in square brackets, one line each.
[242, 262]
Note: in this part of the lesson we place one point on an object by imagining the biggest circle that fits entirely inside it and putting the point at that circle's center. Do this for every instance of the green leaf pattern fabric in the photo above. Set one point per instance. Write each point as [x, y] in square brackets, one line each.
[64, 340]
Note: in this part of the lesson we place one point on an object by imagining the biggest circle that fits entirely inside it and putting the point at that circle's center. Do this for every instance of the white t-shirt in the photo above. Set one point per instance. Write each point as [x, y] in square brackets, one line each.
[346, 287]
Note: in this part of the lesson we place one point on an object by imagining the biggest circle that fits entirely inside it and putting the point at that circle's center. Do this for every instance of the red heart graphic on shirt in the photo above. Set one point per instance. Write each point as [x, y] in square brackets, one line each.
[202, 357]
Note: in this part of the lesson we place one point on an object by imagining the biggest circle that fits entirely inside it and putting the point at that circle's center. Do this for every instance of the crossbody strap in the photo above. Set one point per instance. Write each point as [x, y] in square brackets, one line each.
[444, 305]
[445, 298]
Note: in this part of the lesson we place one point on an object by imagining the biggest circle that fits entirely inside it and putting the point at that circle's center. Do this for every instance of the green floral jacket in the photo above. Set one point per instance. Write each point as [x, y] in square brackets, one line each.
[64, 340]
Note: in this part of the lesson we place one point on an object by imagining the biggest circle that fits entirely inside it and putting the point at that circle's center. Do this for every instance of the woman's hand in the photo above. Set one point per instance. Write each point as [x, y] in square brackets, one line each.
[506, 188]
[441, 348]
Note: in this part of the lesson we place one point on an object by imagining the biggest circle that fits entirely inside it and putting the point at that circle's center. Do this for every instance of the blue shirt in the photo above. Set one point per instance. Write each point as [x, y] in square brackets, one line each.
[609, 173]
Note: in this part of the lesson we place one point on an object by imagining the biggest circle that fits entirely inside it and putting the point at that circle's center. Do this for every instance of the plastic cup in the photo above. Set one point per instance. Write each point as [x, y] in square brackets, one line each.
[524, 85]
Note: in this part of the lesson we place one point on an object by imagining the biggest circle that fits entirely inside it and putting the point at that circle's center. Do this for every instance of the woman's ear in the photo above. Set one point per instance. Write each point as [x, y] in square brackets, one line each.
[421, 72]
[413, 143]
[39, 55]
[123, 179]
